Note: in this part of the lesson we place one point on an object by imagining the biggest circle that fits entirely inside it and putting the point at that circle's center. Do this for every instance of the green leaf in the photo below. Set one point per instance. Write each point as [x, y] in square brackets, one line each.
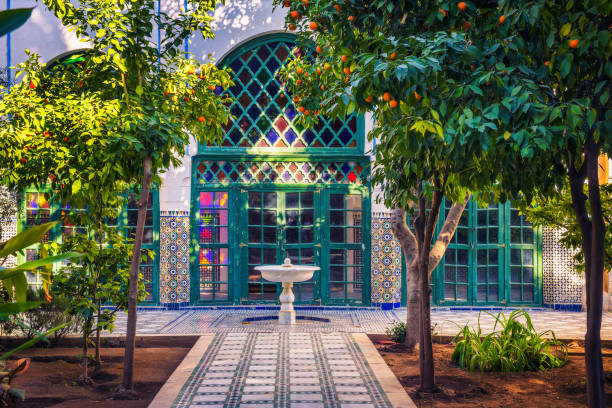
[591, 116]
[139, 90]
[76, 186]
[7, 309]
[31, 265]
[565, 29]
[25, 238]
[565, 67]
[11, 20]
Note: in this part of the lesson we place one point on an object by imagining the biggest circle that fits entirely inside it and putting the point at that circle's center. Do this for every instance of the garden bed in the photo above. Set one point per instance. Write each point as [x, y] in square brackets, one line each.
[51, 378]
[460, 388]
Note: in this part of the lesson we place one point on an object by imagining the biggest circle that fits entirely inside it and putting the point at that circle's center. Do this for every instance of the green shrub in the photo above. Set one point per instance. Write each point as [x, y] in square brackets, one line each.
[397, 331]
[45, 317]
[515, 347]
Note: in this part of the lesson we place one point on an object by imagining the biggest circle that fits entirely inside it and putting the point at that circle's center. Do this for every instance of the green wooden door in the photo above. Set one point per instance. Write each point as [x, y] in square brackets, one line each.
[279, 223]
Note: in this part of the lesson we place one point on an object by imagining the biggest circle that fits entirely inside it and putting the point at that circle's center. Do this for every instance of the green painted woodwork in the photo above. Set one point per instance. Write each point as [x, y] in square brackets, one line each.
[269, 220]
[264, 111]
[494, 258]
[37, 208]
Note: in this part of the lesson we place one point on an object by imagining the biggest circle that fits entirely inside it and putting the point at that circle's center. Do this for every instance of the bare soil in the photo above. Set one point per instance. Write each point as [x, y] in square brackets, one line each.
[562, 387]
[51, 380]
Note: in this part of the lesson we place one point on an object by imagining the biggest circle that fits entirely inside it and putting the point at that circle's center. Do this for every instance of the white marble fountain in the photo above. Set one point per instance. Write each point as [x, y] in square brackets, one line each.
[287, 274]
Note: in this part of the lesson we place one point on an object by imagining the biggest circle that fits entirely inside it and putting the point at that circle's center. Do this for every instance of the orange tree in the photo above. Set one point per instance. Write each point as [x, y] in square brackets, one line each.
[487, 96]
[122, 117]
[447, 101]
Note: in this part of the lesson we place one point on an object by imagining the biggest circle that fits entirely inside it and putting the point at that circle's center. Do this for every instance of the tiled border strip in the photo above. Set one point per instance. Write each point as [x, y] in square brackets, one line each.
[240, 374]
[388, 385]
[330, 398]
[282, 371]
[175, 385]
[188, 390]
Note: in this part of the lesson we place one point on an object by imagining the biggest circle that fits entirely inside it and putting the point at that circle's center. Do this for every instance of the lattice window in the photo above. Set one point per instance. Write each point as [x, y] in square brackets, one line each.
[264, 112]
[225, 172]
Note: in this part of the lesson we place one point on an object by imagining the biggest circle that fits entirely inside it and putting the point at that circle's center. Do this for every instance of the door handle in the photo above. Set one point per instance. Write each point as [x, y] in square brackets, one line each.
[501, 246]
[317, 245]
[242, 245]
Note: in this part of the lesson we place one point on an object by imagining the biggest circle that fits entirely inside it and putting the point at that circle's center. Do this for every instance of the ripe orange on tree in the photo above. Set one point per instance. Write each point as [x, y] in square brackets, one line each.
[547, 63]
[347, 71]
[211, 87]
[393, 56]
[351, 18]
[319, 71]
[338, 7]
[461, 5]
[369, 98]
[201, 119]
[417, 96]
[319, 49]
[295, 14]
[393, 103]
[467, 25]
[32, 85]
[313, 25]
[443, 12]
[300, 70]
[306, 112]
[46, 133]
[574, 43]
[301, 109]
[502, 18]
[387, 96]
[299, 82]
[322, 87]
[326, 66]
[344, 58]
[292, 27]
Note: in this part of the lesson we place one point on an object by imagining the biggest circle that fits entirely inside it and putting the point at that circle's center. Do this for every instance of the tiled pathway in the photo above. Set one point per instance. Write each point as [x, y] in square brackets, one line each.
[567, 325]
[296, 370]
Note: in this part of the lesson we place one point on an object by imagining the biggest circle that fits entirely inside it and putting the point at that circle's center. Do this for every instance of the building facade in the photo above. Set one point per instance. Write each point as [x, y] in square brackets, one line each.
[273, 189]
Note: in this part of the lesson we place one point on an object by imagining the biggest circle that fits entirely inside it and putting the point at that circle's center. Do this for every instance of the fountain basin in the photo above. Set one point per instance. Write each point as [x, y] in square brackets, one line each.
[287, 274]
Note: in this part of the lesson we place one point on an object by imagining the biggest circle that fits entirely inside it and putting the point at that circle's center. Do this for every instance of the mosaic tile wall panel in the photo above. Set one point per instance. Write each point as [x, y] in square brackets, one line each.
[174, 260]
[386, 263]
[8, 230]
[561, 284]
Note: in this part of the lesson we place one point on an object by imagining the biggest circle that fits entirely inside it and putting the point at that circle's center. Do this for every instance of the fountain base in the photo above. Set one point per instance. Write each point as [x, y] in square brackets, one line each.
[286, 317]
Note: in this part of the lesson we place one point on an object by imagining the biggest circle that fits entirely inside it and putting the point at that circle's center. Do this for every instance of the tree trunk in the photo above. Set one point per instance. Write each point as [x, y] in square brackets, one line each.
[127, 383]
[407, 241]
[84, 378]
[593, 360]
[98, 357]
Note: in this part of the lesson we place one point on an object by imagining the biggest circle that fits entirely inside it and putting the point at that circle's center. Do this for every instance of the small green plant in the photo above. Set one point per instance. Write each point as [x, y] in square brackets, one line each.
[397, 331]
[515, 347]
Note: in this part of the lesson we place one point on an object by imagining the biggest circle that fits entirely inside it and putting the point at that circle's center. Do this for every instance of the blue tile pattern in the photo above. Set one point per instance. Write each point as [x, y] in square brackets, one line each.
[386, 265]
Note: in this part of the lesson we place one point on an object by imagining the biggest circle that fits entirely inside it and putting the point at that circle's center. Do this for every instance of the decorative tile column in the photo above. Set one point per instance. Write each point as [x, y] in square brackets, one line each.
[386, 264]
[174, 258]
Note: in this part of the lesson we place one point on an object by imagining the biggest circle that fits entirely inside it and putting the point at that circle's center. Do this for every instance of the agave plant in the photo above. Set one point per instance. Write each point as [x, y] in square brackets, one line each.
[15, 281]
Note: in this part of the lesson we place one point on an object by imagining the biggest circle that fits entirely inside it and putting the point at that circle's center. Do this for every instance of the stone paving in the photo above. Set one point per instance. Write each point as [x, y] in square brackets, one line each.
[294, 370]
[446, 322]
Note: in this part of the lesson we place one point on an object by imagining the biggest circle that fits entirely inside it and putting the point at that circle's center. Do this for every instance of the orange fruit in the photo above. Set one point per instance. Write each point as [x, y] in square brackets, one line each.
[393, 55]
[306, 74]
[23, 160]
[319, 49]
[292, 27]
[319, 71]
[473, 68]
[461, 5]
[301, 109]
[192, 91]
[306, 112]
[417, 96]
[65, 139]
[387, 96]
[46, 133]
[351, 18]
[347, 71]
[295, 14]
[300, 70]
[547, 63]
[287, 3]
[322, 87]
[299, 82]
[344, 57]
[443, 12]
[574, 43]
[502, 18]
[467, 25]
[201, 119]
[211, 87]
[317, 112]
[32, 85]
[338, 7]
[369, 98]
[393, 103]
[313, 26]
[326, 66]
[305, 2]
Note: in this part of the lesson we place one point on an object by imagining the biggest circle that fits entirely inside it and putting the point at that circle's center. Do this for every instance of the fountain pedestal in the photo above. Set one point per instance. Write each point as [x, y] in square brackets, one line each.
[287, 274]
[287, 313]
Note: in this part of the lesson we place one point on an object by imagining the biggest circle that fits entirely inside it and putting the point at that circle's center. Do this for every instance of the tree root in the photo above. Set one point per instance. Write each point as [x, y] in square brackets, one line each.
[124, 394]
[85, 380]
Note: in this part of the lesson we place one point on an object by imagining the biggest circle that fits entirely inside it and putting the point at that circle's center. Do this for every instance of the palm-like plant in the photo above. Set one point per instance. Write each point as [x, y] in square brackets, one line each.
[13, 19]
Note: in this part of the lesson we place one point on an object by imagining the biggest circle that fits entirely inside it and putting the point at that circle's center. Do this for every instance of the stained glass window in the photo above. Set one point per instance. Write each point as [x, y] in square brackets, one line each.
[225, 172]
[265, 116]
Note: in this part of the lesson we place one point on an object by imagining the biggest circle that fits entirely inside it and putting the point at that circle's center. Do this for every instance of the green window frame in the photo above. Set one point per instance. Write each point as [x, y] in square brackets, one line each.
[29, 215]
[494, 258]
